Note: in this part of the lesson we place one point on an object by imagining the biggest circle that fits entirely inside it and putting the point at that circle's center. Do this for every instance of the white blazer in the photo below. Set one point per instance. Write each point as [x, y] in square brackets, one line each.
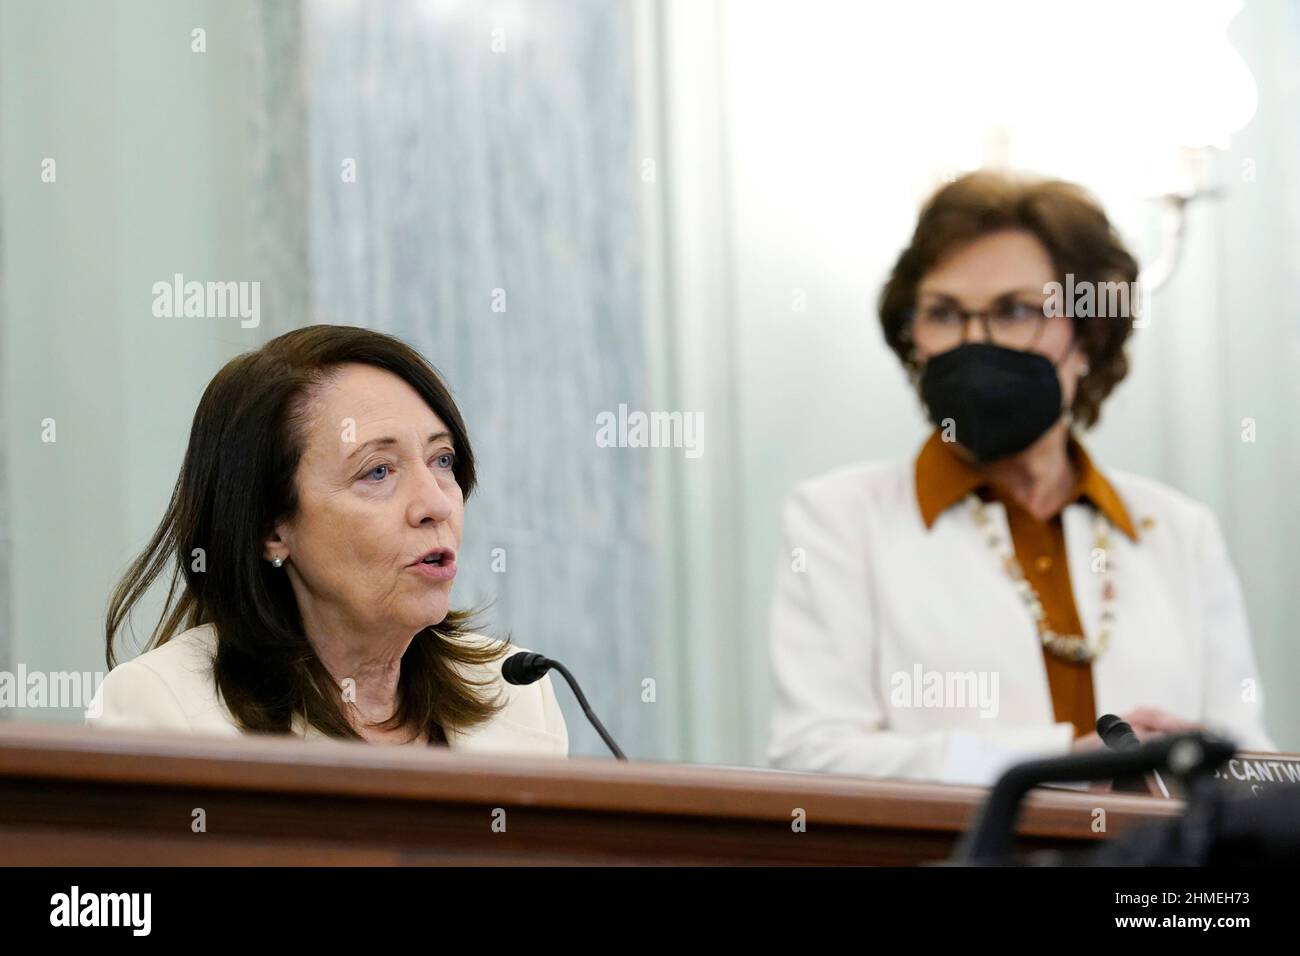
[171, 688]
[867, 600]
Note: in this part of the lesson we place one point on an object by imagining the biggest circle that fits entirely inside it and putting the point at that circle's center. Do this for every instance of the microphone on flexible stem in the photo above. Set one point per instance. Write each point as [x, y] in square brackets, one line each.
[526, 667]
[1118, 736]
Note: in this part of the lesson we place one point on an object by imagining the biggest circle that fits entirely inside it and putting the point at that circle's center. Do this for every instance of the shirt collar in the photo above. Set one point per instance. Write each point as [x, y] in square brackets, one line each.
[943, 478]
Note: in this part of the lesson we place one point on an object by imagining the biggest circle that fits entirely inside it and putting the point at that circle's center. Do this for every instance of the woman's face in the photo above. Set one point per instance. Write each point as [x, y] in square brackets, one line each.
[376, 494]
[999, 269]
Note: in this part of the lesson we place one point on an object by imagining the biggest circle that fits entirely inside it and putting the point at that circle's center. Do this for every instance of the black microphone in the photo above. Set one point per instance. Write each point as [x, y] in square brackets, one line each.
[1116, 734]
[526, 667]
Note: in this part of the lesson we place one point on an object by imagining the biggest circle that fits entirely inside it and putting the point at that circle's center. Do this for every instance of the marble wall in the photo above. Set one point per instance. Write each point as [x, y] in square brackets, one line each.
[464, 176]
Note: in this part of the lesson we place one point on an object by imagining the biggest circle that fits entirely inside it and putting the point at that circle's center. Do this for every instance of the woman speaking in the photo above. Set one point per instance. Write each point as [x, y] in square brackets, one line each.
[940, 617]
[312, 541]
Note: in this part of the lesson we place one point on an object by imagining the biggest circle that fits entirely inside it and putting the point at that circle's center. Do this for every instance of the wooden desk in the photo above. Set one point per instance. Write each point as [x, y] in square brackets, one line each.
[71, 796]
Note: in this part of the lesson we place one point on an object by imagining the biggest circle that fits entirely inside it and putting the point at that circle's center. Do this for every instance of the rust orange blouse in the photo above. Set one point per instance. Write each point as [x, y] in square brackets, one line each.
[943, 478]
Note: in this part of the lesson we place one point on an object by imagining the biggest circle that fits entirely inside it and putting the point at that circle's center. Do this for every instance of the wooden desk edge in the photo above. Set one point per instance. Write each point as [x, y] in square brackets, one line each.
[342, 768]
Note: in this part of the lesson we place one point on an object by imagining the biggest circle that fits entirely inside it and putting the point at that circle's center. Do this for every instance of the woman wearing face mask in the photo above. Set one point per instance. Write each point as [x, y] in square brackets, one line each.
[940, 617]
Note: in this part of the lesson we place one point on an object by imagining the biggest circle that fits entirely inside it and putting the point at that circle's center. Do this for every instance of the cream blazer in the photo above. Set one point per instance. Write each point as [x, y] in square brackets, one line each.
[171, 688]
[870, 607]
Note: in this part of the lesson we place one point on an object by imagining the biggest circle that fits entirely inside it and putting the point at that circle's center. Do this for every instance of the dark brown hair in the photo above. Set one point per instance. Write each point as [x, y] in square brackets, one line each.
[1065, 219]
[235, 484]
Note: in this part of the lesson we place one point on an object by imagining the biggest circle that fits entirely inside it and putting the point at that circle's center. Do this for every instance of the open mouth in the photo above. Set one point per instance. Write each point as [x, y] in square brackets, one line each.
[438, 558]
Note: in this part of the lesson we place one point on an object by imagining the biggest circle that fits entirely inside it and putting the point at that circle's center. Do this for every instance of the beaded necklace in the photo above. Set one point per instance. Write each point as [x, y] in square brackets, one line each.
[1071, 647]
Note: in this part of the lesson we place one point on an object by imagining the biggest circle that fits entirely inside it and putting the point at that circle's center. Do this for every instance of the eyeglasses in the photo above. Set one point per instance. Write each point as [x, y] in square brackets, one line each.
[1010, 324]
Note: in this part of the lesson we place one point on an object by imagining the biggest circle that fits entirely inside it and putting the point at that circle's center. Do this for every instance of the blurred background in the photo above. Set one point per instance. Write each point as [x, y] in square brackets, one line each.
[572, 205]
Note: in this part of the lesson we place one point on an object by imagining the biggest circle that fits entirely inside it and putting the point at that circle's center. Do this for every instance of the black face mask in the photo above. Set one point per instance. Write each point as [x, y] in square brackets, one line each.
[1001, 400]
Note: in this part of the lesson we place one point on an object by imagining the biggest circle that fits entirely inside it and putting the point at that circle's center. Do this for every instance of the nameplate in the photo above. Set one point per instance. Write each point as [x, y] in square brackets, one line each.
[1257, 772]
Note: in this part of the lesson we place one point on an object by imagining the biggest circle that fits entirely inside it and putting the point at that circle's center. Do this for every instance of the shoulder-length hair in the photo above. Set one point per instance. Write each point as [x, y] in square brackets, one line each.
[236, 483]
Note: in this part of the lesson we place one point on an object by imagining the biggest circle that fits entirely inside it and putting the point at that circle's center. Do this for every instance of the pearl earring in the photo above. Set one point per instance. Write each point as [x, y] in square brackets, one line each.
[278, 562]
